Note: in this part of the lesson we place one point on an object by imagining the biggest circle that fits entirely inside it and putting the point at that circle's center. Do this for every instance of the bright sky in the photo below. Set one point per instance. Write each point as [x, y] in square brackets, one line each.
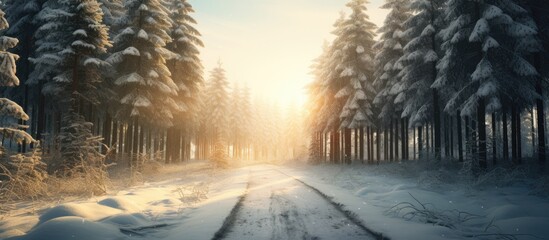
[269, 45]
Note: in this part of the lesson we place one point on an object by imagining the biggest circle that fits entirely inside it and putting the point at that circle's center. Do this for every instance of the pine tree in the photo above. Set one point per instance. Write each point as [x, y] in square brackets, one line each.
[484, 63]
[419, 60]
[9, 110]
[186, 68]
[354, 70]
[389, 51]
[144, 83]
[72, 39]
[216, 102]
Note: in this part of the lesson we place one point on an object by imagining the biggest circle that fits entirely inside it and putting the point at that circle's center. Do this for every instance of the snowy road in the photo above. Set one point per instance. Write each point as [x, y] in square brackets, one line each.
[280, 207]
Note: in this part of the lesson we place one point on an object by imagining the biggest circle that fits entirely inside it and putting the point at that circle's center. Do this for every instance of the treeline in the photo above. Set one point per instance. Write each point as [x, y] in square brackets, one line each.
[245, 130]
[127, 71]
[447, 79]
[124, 80]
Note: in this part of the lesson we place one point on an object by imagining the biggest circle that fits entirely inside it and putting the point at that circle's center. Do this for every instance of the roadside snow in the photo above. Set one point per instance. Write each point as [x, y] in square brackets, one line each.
[157, 210]
[371, 191]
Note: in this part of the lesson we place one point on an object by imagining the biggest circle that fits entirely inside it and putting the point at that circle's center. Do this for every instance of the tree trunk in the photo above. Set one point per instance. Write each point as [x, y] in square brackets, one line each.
[437, 129]
[481, 121]
[420, 142]
[514, 148]
[494, 140]
[107, 126]
[361, 144]
[504, 135]
[459, 136]
[378, 144]
[519, 137]
[404, 142]
[391, 141]
[396, 138]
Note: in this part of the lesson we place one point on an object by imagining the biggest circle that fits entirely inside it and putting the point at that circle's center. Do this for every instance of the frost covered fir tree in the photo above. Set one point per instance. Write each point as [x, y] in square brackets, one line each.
[419, 60]
[186, 68]
[354, 61]
[10, 111]
[217, 103]
[485, 63]
[72, 38]
[144, 83]
[389, 50]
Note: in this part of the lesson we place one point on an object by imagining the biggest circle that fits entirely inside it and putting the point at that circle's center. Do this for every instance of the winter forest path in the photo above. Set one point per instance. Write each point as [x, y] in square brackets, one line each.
[280, 207]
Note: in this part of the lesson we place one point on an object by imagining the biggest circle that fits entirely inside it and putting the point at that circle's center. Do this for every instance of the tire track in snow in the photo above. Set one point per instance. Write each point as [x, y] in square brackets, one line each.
[341, 208]
[279, 206]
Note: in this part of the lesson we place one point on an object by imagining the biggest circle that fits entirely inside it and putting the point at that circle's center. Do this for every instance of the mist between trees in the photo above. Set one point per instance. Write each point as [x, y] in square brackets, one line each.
[102, 84]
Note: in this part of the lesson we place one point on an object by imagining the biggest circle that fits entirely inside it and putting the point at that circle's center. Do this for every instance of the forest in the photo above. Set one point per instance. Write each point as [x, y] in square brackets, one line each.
[432, 125]
[446, 80]
[97, 82]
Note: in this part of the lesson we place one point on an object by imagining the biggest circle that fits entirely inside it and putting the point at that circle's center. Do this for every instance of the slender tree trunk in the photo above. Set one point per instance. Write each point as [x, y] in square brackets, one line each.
[437, 126]
[356, 143]
[533, 131]
[391, 141]
[386, 144]
[361, 144]
[404, 142]
[505, 137]
[378, 144]
[420, 142]
[427, 140]
[446, 136]
[40, 128]
[481, 121]
[494, 140]
[107, 125]
[468, 145]
[514, 148]
[519, 137]
[396, 138]
[459, 136]
[135, 143]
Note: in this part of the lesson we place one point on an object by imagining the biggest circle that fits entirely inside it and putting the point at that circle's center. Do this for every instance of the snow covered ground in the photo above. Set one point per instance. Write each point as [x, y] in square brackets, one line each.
[194, 205]
[491, 209]
[298, 202]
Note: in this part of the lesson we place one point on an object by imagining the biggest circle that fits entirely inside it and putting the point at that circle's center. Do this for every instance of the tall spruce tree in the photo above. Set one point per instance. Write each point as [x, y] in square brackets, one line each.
[144, 83]
[72, 40]
[186, 68]
[484, 65]
[419, 60]
[389, 51]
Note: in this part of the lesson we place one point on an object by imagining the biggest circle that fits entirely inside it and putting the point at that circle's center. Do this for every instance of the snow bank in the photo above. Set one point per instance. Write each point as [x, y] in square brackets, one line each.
[371, 191]
[152, 211]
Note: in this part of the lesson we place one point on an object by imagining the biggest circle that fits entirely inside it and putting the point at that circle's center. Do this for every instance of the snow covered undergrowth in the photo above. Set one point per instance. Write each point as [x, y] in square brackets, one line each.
[169, 209]
[402, 202]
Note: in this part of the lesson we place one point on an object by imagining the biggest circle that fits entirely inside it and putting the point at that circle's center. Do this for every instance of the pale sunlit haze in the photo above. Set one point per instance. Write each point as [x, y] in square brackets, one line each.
[269, 45]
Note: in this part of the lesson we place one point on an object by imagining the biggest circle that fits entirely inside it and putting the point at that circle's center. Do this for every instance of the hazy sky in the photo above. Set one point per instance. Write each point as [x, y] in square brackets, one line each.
[269, 44]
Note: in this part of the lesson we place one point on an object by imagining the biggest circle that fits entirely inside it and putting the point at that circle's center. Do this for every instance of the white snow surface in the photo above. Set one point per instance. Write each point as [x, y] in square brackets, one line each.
[277, 206]
[152, 204]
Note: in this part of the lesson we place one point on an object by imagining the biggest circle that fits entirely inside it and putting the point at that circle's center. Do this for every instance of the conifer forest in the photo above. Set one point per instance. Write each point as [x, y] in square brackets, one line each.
[259, 119]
